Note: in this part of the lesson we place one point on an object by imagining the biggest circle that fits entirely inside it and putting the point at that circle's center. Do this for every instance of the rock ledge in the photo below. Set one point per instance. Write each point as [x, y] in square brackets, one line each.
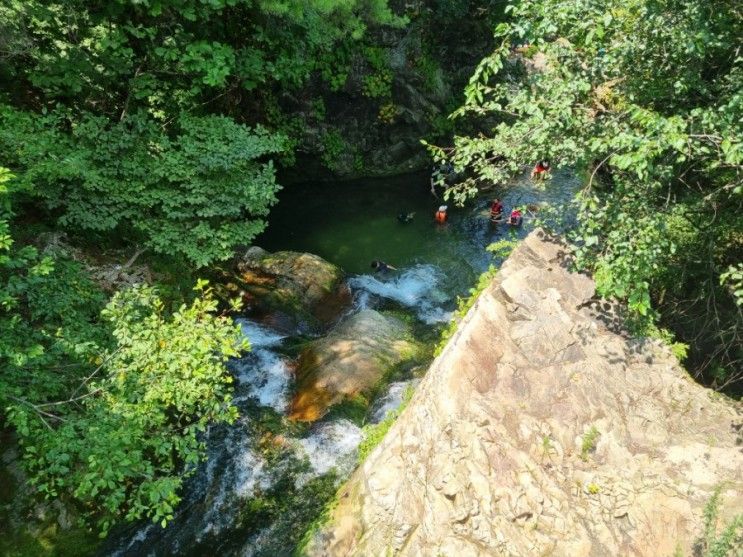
[540, 431]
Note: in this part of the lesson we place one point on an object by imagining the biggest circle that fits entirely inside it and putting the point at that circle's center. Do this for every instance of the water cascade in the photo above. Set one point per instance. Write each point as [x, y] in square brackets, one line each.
[263, 453]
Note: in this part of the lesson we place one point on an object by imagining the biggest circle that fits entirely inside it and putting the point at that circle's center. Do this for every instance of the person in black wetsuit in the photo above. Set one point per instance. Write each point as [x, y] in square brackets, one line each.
[382, 267]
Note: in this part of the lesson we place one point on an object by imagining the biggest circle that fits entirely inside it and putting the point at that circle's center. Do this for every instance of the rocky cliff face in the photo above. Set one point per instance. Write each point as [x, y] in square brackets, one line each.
[542, 430]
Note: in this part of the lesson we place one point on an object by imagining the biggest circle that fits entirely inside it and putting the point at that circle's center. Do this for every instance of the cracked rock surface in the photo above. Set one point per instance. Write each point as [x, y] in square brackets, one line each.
[543, 430]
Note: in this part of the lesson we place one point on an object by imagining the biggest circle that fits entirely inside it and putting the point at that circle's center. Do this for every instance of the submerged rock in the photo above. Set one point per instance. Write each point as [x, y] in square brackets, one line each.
[350, 361]
[290, 290]
[542, 429]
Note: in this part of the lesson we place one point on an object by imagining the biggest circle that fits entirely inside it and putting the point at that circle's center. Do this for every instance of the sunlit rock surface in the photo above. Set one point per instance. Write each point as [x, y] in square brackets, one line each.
[351, 360]
[289, 290]
[542, 430]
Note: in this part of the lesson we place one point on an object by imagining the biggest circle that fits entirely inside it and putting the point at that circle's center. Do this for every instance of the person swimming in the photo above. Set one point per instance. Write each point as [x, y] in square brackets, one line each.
[382, 267]
[496, 210]
[540, 169]
[405, 218]
[515, 219]
[441, 215]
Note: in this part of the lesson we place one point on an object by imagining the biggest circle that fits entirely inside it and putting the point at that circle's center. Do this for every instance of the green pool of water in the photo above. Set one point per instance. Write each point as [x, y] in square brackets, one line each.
[353, 223]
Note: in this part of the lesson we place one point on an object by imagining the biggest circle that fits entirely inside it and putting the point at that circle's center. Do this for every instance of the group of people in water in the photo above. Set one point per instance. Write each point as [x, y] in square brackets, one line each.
[497, 215]
[515, 218]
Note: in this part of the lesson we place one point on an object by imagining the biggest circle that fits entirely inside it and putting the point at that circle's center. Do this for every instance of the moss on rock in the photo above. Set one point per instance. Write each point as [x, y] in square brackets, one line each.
[288, 290]
[350, 363]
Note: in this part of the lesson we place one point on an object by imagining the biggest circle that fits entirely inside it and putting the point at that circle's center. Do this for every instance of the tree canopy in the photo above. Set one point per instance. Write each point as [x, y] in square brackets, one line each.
[130, 117]
[118, 442]
[108, 402]
[150, 123]
[194, 192]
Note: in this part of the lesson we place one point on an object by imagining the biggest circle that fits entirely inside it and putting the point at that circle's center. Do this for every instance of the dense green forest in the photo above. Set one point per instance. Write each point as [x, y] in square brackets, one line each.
[155, 128]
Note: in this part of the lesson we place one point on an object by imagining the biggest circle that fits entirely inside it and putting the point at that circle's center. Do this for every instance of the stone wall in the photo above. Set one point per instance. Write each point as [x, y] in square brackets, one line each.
[543, 430]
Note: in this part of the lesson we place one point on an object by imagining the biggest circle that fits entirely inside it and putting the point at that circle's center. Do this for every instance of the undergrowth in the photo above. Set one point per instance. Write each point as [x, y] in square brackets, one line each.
[374, 433]
[719, 540]
[588, 445]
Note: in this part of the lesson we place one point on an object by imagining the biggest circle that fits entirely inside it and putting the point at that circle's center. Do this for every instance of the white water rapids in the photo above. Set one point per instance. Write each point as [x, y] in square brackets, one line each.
[416, 288]
[235, 470]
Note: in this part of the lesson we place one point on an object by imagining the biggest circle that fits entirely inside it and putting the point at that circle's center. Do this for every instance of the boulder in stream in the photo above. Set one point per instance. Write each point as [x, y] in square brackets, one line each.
[289, 290]
[352, 360]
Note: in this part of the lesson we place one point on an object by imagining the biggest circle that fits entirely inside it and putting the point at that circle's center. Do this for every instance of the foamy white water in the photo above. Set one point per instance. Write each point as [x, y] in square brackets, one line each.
[431, 315]
[251, 474]
[267, 377]
[416, 287]
[138, 538]
[332, 445]
[391, 400]
[246, 472]
[259, 335]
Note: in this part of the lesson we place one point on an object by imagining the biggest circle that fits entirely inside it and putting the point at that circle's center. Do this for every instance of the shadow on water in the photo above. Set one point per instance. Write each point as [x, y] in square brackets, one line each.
[264, 477]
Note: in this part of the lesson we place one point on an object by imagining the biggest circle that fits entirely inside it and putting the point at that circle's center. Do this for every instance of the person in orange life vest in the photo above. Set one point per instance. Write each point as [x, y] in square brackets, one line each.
[515, 218]
[540, 169]
[440, 215]
[496, 210]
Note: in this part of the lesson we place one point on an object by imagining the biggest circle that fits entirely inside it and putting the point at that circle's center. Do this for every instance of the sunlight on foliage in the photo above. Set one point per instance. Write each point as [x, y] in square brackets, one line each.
[116, 442]
[645, 99]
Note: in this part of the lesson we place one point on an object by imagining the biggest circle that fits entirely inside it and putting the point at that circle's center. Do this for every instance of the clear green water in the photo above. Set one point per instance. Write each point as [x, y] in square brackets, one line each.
[354, 223]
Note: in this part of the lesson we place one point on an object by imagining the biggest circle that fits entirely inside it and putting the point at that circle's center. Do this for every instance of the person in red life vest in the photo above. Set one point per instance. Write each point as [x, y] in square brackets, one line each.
[440, 215]
[496, 210]
[541, 168]
[515, 218]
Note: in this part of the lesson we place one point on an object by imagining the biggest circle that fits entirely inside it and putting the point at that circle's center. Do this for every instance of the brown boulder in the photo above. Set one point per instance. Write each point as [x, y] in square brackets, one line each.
[289, 289]
[349, 362]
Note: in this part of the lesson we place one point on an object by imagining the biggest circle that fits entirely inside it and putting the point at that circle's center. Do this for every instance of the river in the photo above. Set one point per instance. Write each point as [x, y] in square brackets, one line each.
[266, 478]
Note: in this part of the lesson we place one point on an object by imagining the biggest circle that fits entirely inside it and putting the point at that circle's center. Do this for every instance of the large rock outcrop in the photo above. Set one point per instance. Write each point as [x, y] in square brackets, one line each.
[351, 361]
[541, 431]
